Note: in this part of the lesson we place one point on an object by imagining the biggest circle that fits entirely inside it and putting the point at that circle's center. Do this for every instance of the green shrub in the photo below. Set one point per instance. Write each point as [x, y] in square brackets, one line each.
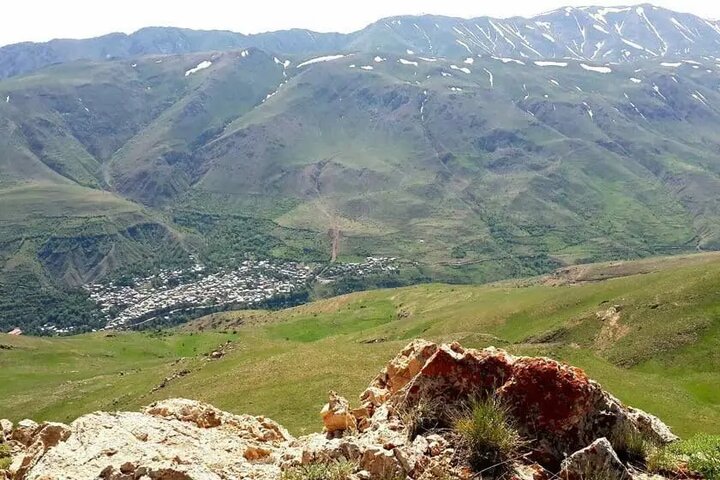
[487, 432]
[321, 471]
[5, 459]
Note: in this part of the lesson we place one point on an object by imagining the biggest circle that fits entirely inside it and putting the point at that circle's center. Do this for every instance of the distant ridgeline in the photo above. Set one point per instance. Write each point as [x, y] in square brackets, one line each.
[468, 150]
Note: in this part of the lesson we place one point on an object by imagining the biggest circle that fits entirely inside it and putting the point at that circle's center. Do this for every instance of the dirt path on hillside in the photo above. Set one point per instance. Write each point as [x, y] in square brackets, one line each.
[335, 234]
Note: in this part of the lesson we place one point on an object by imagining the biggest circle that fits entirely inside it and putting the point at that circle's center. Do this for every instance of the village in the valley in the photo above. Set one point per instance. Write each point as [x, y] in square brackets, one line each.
[253, 283]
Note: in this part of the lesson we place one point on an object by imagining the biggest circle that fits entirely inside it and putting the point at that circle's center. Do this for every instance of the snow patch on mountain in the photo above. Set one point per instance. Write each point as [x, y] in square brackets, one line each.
[492, 77]
[327, 58]
[509, 60]
[550, 64]
[200, 66]
[408, 62]
[590, 68]
[461, 69]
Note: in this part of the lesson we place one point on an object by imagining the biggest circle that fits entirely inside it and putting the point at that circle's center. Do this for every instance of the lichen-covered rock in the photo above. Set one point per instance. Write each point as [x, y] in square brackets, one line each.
[552, 396]
[453, 373]
[597, 460]
[555, 404]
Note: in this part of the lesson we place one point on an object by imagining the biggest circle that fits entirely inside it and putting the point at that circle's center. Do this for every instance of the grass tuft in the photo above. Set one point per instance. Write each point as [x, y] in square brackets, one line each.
[486, 429]
[661, 460]
[702, 454]
[5, 458]
[631, 444]
[341, 470]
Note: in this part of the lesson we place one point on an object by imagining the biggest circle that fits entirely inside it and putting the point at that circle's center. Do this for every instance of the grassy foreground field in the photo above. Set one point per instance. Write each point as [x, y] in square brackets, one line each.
[650, 335]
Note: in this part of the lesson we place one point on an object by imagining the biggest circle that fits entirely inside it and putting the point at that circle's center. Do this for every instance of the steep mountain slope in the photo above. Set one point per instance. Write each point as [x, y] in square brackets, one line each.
[467, 167]
[473, 161]
[656, 327]
[617, 34]
[157, 163]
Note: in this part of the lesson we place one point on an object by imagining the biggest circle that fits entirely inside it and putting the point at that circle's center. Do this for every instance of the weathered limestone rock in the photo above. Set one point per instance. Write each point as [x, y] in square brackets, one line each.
[23, 432]
[6, 428]
[401, 370]
[652, 427]
[173, 439]
[597, 460]
[336, 415]
[40, 440]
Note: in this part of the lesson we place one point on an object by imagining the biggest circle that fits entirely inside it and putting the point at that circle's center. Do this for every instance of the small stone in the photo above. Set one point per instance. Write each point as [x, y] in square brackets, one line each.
[254, 453]
[598, 460]
[336, 415]
[6, 427]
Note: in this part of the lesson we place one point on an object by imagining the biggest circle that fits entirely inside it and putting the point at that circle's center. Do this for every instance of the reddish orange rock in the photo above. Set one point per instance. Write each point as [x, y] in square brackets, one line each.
[548, 394]
[454, 373]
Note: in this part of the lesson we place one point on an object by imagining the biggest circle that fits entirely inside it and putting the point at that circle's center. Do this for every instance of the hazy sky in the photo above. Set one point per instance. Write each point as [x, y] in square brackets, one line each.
[41, 20]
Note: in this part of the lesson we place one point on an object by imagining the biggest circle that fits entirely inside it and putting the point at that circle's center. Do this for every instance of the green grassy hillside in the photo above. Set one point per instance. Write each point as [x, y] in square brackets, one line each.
[658, 351]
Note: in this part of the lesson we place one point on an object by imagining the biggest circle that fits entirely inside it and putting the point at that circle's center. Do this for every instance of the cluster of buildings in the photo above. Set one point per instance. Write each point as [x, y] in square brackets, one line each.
[168, 292]
[371, 266]
[50, 329]
[254, 282]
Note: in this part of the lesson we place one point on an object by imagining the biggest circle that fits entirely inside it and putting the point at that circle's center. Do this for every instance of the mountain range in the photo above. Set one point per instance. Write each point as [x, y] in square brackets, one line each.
[608, 34]
[472, 150]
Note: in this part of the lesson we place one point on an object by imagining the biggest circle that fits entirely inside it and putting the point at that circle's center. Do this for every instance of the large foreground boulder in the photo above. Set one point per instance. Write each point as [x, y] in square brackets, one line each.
[554, 404]
[402, 429]
[173, 440]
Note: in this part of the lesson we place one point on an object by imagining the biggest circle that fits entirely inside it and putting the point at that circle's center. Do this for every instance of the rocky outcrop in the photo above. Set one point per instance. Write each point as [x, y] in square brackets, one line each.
[555, 405]
[402, 428]
[173, 439]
